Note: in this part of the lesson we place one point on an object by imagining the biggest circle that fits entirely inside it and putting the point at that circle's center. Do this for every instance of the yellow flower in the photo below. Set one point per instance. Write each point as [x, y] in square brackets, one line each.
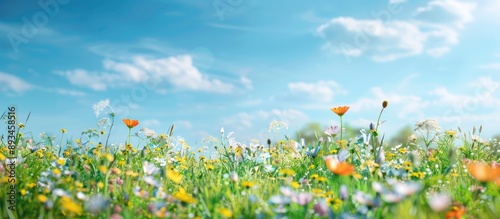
[318, 192]
[78, 184]
[21, 125]
[418, 175]
[321, 179]
[314, 176]
[389, 156]
[63, 130]
[2, 157]
[450, 132]
[210, 167]
[121, 162]
[109, 157]
[174, 176]
[225, 212]
[100, 185]
[182, 196]
[31, 185]
[103, 169]
[56, 172]
[295, 185]
[402, 150]
[238, 151]
[287, 172]
[131, 173]
[23, 192]
[42, 198]
[334, 202]
[342, 143]
[312, 166]
[247, 184]
[70, 206]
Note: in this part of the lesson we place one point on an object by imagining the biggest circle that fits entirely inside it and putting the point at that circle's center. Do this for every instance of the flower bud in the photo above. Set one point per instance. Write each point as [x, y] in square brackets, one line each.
[234, 177]
[385, 103]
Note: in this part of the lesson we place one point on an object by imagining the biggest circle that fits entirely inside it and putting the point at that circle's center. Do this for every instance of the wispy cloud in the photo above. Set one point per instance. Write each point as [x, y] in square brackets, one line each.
[322, 91]
[407, 105]
[68, 92]
[453, 12]
[393, 39]
[246, 82]
[178, 71]
[13, 83]
[243, 120]
[232, 27]
[492, 66]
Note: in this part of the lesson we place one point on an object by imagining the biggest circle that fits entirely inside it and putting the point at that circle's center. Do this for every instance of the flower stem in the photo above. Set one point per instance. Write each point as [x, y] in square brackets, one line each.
[110, 127]
[341, 130]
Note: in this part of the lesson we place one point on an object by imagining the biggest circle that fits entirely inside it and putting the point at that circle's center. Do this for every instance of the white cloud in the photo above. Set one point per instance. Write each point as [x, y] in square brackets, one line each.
[482, 95]
[396, 1]
[244, 120]
[232, 27]
[240, 119]
[491, 66]
[246, 82]
[63, 91]
[93, 80]
[151, 123]
[184, 124]
[128, 71]
[407, 105]
[249, 102]
[323, 91]
[395, 39]
[453, 12]
[178, 71]
[10, 82]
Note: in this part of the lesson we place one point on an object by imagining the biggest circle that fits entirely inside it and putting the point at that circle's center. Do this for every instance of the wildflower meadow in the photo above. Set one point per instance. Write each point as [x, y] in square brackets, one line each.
[435, 173]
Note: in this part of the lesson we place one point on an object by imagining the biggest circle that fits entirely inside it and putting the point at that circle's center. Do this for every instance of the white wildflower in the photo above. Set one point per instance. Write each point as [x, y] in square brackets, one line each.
[148, 132]
[104, 122]
[428, 125]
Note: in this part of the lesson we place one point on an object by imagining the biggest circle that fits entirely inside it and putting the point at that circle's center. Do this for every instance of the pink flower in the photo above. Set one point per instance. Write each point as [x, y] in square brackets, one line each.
[321, 208]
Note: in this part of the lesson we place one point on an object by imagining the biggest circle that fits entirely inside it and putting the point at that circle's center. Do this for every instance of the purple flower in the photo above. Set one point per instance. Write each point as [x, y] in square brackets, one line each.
[344, 193]
[303, 198]
[321, 208]
[332, 131]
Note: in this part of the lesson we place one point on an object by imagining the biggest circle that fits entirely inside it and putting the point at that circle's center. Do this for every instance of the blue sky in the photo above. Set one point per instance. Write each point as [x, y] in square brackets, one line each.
[241, 64]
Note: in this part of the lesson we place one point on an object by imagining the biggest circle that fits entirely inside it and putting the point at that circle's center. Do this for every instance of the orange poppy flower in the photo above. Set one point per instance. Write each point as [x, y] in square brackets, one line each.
[340, 110]
[456, 212]
[337, 167]
[483, 172]
[130, 123]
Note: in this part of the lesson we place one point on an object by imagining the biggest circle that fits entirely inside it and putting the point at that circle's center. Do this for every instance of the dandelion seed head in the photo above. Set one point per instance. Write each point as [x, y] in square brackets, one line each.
[100, 106]
[276, 125]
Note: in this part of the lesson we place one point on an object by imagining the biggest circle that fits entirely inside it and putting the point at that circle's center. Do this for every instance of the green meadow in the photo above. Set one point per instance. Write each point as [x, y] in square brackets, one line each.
[434, 173]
